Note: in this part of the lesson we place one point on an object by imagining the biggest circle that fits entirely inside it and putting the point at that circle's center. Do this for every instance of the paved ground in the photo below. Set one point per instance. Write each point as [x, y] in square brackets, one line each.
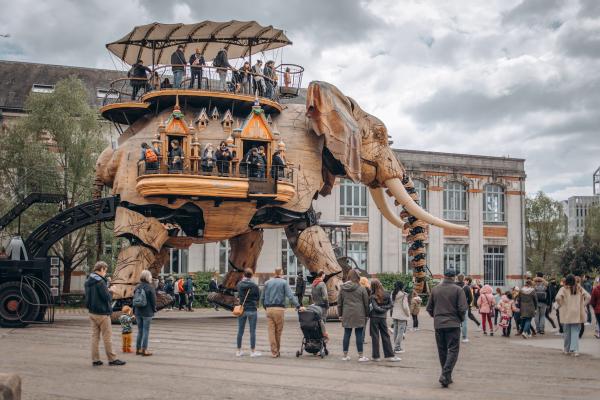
[194, 359]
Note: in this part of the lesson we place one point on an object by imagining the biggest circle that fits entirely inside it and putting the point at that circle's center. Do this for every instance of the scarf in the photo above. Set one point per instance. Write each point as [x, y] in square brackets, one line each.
[316, 282]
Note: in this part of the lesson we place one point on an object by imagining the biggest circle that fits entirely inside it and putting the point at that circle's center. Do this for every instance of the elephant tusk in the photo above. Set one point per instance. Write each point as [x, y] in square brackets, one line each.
[384, 207]
[402, 196]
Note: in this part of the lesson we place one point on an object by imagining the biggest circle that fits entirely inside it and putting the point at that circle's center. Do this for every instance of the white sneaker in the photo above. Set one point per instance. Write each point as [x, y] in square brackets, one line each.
[255, 354]
[588, 324]
[394, 359]
[465, 340]
[363, 359]
[239, 353]
[399, 351]
[374, 359]
[346, 358]
[575, 354]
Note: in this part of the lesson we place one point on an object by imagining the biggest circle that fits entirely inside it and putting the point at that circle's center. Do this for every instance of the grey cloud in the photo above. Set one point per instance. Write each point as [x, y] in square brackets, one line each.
[534, 13]
[579, 41]
[589, 9]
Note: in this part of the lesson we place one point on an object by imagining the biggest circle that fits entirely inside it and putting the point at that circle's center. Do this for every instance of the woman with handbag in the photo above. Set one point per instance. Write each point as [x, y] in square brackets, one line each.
[248, 295]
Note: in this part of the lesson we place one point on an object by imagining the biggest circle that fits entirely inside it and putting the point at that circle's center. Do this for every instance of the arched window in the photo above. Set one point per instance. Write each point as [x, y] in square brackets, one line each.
[493, 203]
[421, 188]
[353, 199]
[455, 201]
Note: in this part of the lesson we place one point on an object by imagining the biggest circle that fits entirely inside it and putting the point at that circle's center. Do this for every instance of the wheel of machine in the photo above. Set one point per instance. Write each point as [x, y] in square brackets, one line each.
[17, 304]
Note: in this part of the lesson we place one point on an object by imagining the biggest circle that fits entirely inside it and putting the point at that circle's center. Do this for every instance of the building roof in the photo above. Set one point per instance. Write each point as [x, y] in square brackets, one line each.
[19, 77]
[417, 160]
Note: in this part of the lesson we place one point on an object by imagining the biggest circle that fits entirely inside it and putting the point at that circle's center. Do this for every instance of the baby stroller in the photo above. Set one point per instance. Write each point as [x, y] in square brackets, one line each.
[313, 341]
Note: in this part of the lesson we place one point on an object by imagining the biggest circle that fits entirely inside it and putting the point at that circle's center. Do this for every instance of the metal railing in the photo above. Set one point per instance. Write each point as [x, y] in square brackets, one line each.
[227, 169]
[283, 83]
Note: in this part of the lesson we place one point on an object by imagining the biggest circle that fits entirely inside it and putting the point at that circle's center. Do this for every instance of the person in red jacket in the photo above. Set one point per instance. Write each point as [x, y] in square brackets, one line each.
[595, 303]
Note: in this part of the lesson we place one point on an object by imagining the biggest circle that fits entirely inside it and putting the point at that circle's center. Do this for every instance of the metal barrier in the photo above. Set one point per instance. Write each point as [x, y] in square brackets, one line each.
[284, 82]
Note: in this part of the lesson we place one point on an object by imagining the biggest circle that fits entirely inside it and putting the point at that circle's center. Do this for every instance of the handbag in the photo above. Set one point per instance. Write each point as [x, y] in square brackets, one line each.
[239, 309]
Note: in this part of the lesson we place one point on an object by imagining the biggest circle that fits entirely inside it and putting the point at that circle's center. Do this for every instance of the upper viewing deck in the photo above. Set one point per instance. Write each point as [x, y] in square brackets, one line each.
[204, 64]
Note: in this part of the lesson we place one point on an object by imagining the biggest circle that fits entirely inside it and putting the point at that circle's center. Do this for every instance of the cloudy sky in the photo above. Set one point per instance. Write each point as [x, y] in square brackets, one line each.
[518, 78]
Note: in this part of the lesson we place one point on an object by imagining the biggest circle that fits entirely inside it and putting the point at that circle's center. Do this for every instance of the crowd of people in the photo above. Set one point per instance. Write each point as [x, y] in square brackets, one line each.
[363, 304]
[252, 80]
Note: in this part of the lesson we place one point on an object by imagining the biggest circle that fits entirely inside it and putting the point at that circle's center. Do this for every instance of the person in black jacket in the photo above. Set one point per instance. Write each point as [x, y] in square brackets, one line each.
[551, 292]
[196, 64]
[448, 306]
[224, 157]
[221, 61]
[249, 296]
[277, 165]
[300, 287]
[98, 298]
[381, 303]
[144, 314]
[139, 78]
[178, 66]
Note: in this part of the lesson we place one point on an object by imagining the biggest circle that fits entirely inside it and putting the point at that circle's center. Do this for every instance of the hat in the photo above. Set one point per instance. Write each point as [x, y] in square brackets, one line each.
[450, 272]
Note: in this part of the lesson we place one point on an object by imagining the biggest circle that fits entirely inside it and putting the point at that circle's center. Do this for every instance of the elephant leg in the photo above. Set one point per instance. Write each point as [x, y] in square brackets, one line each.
[244, 252]
[315, 252]
[147, 236]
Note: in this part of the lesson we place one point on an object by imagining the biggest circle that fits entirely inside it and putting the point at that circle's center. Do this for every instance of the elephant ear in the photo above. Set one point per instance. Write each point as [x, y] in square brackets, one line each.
[330, 115]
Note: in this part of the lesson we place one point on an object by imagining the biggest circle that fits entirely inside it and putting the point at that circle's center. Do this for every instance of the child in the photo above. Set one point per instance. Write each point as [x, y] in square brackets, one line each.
[506, 307]
[415, 307]
[126, 320]
[486, 304]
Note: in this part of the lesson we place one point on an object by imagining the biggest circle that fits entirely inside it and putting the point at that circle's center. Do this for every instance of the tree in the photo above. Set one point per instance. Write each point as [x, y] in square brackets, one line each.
[581, 256]
[545, 233]
[592, 224]
[65, 133]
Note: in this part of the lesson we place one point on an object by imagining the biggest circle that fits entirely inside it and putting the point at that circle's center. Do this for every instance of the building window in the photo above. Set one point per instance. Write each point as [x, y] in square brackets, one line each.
[358, 251]
[456, 257]
[40, 88]
[289, 262]
[493, 265]
[178, 262]
[353, 199]
[493, 203]
[223, 256]
[455, 201]
[421, 188]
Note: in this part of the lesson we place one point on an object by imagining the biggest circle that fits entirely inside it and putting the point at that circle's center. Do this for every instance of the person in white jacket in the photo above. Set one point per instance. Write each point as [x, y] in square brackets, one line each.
[400, 315]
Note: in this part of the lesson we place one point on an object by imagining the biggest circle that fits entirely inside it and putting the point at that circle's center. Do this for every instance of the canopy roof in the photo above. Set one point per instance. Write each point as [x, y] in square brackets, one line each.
[240, 38]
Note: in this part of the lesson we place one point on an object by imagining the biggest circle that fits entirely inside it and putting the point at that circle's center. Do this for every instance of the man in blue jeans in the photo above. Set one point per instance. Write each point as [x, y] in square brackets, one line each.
[248, 295]
[178, 64]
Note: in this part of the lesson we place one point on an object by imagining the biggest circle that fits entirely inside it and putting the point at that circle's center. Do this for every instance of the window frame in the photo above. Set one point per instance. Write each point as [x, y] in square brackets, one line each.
[224, 251]
[421, 188]
[496, 256]
[461, 213]
[352, 209]
[362, 254]
[451, 251]
[498, 216]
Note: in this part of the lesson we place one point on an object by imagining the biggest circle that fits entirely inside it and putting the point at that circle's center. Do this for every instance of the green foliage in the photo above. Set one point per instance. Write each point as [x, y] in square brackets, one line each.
[54, 149]
[545, 233]
[201, 281]
[581, 256]
[592, 224]
[388, 280]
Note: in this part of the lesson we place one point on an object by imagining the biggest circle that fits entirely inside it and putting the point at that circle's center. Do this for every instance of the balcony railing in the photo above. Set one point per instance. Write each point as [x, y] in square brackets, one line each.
[285, 82]
[224, 169]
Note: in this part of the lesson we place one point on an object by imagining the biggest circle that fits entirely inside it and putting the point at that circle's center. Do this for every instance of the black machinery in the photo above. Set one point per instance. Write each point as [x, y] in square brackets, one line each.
[27, 290]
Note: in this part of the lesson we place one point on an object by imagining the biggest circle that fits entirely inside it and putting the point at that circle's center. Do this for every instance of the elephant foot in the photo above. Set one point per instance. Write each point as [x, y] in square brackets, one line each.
[222, 300]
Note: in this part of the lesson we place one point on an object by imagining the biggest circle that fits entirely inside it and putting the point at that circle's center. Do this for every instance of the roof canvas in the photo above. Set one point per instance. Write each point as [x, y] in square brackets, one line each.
[239, 38]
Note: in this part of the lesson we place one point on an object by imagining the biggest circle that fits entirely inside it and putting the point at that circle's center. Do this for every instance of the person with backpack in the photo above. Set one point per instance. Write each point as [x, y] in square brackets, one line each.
[144, 306]
[486, 305]
[170, 290]
[98, 299]
[527, 306]
[320, 295]
[541, 292]
[149, 156]
[464, 283]
[248, 296]
[188, 287]
[181, 293]
[400, 315]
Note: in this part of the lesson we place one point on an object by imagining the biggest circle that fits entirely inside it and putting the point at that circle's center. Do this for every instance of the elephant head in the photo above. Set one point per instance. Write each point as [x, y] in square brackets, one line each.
[356, 146]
